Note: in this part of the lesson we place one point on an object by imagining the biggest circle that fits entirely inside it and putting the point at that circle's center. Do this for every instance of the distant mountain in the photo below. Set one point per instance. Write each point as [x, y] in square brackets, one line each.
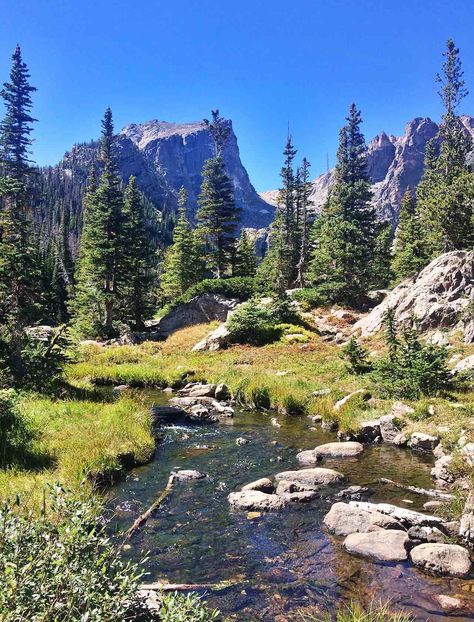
[394, 164]
[163, 157]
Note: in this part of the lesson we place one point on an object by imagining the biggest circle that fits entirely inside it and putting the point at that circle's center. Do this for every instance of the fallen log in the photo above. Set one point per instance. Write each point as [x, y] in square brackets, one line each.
[142, 519]
[436, 494]
[183, 587]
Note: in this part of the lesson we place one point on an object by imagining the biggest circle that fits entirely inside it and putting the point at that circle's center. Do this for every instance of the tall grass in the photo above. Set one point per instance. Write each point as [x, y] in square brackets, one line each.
[354, 612]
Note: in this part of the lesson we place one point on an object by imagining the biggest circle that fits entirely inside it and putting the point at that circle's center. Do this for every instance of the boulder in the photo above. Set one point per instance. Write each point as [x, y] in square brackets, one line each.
[426, 534]
[200, 414]
[241, 441]
[256, 501]
[308, 457]
[185, 475]
[305, 496]
[321, 392]
[423, 442]
[262, 485]
[343, 519]
[436, 297]
[352, 492]
[384, 545]
[348, 449]
[215, 340]
[441, 471]
[439, 338]
[222, 392]
[198, 390]
[408, 518]
[455, 604]
[400, 410]
[467, 453]
[401, 440]
[199, 310]
[464, 366]
[388, 428]
[315, 477]
[442, 559]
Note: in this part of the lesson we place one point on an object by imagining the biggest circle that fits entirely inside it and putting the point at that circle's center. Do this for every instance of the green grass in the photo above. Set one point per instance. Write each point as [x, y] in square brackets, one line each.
[354, 612]
[78, 440]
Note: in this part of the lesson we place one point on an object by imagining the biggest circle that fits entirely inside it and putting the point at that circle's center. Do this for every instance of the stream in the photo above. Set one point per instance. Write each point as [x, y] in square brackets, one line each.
[277, 566]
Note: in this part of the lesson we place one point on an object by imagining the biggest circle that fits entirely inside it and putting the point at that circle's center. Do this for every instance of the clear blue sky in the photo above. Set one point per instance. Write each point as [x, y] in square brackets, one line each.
[263, 63]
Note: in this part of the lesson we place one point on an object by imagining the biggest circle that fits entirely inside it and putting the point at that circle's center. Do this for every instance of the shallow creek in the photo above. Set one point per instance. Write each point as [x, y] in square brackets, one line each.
[279, 565]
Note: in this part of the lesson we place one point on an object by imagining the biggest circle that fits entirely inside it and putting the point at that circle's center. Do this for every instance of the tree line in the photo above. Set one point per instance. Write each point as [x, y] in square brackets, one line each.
[117, 277]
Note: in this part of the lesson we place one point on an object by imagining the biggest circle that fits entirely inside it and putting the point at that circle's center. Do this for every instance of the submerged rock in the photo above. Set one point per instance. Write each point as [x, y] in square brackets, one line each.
[254, 500]
[287, 487]
[185, 475]
[426, 534]
[316, 476]
[353, 492]
[442, 559]
[384, 545]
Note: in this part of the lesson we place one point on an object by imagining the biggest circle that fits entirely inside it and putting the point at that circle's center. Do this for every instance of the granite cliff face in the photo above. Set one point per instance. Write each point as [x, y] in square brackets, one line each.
[394, 164]
[165, 156]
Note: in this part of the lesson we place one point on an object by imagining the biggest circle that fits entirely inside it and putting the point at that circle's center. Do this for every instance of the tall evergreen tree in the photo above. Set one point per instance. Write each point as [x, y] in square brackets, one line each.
[303, 191]
[137, 295]
[182, 265]
[100, 274]
[345, 233]
[217, 215]
[408, 251]
[20, 298]
[445, 195]
[246, 260]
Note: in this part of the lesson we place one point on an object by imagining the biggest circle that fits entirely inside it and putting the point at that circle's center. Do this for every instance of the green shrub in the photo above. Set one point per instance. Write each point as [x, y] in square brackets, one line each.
[309, 298]
[357, 357]
[412, 369]
[60, 566]
[15, 437]
[252, 324]
[239, 287]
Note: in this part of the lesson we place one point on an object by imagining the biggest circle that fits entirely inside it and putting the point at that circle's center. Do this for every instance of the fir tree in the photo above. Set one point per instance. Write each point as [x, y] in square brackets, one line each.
[303, 191]
[445, 194]
[138, 276]
[217, 215]
[182, 265]
[408, 250]
[102, 247]
[345, 234]
[20, 277]
[245, 260]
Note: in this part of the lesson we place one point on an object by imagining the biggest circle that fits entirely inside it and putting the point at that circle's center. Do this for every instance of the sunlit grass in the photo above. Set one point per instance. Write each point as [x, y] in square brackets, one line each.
[354, 612]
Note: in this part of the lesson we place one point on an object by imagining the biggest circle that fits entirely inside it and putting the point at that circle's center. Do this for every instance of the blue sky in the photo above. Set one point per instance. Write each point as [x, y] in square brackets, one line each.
[263, 63]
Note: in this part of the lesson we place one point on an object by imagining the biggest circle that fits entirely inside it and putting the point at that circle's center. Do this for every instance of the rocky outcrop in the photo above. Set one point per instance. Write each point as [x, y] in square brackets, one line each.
[442, 559]
[436, 297]
[199, 310]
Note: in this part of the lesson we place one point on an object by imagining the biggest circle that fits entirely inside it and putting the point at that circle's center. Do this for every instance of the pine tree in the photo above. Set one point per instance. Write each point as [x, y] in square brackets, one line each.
[345, 233]
[246, 260]
[137, 294]
[445, 195]
[182, 265]
[217, 215]
[99, 273]
[303, 191]
[20, 298]
[382, 274]
[408, 250]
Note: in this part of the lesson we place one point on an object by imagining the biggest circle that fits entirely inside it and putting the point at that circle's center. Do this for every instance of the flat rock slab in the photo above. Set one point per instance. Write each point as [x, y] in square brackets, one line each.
[316, 476]
[262, 485]
[308, 457]
[348, 449]
[385, 545]
[256, 501]
[344, 519]
[442, 559]
[408, 518]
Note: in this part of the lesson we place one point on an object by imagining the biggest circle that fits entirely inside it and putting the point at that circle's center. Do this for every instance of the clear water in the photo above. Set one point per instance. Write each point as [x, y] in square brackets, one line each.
[278, 565]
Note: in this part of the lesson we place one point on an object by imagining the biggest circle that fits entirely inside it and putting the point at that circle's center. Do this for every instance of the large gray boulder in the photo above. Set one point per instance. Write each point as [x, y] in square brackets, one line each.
[347, 449]
[215, 340]
[408, 518]
[316, 477]
[199, 310]
[261, 485]
[344, 519]
[385, 545]
[442, 559]
[437, 296]
[256, 501]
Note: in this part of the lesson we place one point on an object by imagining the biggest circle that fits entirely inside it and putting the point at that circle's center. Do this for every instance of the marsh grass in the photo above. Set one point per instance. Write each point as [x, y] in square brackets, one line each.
[354, 612]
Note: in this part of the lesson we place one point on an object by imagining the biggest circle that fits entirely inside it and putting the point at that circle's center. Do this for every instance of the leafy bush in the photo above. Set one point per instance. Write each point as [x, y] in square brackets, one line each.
[15, 436]
[61, 566]
[252, 324]
[357, 357]
[412, 369]
[240, 287]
